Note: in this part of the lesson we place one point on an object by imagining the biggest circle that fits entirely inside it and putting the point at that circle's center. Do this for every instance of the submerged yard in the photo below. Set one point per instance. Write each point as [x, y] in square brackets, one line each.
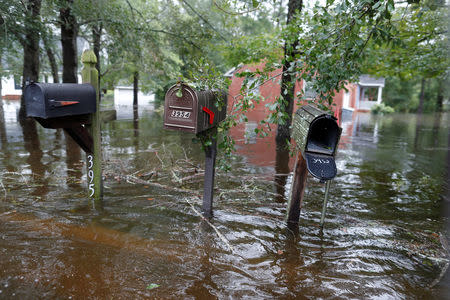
[384, 234]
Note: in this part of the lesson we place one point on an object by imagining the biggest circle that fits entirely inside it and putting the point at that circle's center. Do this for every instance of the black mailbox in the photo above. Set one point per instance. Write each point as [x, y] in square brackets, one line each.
[193, 111]
[317, 134]
[56, 100]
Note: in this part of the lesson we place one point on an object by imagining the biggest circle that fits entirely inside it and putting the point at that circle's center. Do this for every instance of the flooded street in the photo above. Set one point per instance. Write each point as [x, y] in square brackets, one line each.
[382, 237]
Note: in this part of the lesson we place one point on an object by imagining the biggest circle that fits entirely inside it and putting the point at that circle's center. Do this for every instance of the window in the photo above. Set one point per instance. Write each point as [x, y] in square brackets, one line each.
[308, 91]
[253, 86]
[371, 94]
[17, 82]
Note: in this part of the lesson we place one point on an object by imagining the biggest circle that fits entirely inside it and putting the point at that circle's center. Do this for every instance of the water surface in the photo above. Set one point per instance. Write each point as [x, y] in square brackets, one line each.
[381, 240]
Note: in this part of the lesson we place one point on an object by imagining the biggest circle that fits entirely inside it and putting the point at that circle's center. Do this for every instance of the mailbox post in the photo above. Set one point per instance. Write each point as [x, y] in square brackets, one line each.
[75, 108]
[89, 74]
[189, 110]
[316, 134]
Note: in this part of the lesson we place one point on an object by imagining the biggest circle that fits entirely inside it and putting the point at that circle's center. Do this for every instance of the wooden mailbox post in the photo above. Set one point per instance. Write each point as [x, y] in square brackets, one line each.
[89, 74]
[75, 108]
[316, 134]
[189, 110]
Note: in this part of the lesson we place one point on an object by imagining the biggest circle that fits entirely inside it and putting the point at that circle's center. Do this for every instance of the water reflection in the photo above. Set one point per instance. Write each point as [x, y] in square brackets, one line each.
[73, 162]
[33, 146]
[7, 162]
[203, 285]
[381, 237]
[136, 128]
[282, 171]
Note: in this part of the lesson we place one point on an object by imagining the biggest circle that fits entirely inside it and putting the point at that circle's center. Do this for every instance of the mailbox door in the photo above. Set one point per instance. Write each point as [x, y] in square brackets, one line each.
[35, 101]
[180, 113]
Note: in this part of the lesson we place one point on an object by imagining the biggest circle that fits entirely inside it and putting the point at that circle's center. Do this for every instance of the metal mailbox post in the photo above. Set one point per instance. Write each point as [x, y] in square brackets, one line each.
[317, 135]
[188, 110]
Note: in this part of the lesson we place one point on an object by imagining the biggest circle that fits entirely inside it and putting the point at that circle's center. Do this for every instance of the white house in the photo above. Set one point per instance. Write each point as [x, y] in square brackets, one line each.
[123, 96]
[11, 88]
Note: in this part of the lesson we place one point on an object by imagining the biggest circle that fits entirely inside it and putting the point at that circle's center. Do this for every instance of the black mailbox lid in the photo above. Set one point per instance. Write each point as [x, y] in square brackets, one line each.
[320, 166]
[52, 100]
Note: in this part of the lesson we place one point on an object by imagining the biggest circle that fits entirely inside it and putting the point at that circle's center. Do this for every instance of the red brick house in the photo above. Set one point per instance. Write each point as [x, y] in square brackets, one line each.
[361, 96]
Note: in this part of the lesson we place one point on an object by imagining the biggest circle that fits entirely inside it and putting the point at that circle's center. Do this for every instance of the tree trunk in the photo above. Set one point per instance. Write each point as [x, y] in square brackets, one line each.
[96, 35]
[69, 33]
[287, 81]
[51, 59]
[1, 71]
[30, 50]
[421, 97]
[135, 88]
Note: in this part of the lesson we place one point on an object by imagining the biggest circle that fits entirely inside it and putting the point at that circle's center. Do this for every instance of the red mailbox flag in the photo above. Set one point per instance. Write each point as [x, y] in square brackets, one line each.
[210, 113]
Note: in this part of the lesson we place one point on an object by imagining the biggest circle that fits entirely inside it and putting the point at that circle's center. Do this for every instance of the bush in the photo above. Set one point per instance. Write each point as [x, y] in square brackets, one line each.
[382, 109]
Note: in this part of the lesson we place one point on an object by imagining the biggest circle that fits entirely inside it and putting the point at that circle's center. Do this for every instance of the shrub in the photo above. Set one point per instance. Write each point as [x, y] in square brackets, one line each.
[382, 109]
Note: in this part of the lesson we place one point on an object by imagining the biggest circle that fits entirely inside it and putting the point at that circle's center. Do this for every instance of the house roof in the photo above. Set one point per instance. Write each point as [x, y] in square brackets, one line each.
[367, 80]
[231, 71]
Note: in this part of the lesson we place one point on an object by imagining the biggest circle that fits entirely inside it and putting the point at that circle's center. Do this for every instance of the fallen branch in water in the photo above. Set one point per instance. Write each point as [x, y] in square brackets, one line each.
[221, 236]
[2, 174]
[437, 280]
[187, 178]
[3, 187]
[133, 179]
[444, 245]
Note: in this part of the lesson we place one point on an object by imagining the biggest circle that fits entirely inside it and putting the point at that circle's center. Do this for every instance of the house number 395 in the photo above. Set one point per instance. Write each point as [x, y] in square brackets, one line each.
[90, 175]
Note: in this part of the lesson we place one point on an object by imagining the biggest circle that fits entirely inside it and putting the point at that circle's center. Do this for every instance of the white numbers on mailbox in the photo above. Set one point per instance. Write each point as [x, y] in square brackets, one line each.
[90, 175]
[320, 161]
[180, 114]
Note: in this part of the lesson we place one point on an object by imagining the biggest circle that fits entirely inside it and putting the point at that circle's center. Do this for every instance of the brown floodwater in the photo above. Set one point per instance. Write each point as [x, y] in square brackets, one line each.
[384, 234]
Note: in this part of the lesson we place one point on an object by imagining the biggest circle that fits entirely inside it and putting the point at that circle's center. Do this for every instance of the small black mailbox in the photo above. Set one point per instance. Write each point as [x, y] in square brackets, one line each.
[317, 134]
[193, 111]
[56, 100]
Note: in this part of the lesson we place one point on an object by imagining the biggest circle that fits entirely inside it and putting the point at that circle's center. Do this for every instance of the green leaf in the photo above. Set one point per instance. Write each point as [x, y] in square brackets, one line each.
[152, 286]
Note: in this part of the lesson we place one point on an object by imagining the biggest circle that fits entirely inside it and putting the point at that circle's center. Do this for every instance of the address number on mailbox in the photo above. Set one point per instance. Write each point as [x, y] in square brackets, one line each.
[180, 114]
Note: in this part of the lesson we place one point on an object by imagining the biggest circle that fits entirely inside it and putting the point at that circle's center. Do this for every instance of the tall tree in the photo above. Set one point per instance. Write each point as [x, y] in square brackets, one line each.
[30, 48]
[69, 34]
[288, 78]
[419, 47]
[48, 47]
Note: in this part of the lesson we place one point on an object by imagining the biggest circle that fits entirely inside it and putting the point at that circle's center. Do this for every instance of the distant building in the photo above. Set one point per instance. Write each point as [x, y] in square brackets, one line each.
[11, 88]
[361, 96]
[123, 96]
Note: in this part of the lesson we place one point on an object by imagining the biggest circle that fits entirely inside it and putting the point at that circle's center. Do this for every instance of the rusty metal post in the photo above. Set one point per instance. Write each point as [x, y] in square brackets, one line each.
[210, 167]
[297, 190]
